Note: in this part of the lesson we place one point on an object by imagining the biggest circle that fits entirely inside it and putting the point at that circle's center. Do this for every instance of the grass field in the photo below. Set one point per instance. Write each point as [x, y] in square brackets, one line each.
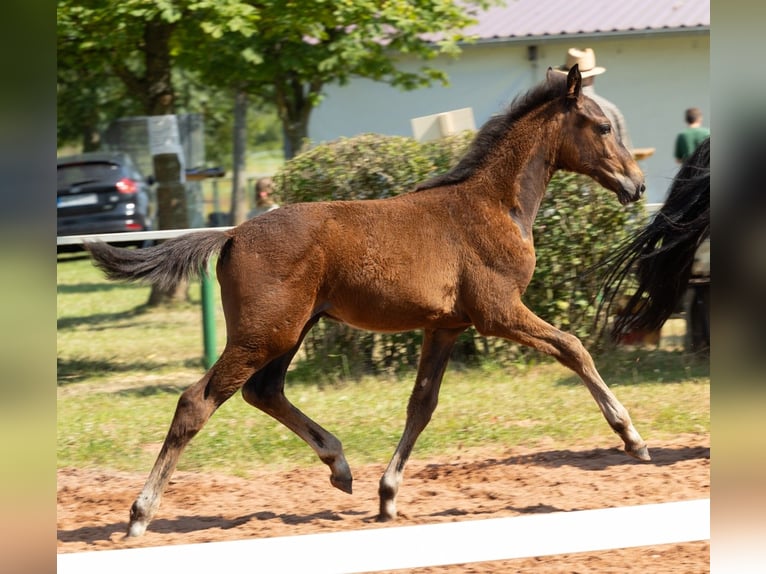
[121, 369]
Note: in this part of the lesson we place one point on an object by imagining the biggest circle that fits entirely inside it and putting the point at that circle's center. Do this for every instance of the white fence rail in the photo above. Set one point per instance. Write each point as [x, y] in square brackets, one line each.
[130, 236]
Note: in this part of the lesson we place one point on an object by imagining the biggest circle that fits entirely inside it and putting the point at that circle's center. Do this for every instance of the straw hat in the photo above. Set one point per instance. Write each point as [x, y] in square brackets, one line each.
[587, 61]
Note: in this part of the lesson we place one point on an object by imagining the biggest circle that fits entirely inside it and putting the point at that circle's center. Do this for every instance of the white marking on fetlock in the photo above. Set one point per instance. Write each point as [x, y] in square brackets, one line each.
[137, 528]
[387, 510]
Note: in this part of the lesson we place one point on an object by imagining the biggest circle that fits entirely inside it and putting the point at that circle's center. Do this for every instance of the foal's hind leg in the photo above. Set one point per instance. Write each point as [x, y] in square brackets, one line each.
[195, 406]
[437, 346]
[528, 329]
[265, 390]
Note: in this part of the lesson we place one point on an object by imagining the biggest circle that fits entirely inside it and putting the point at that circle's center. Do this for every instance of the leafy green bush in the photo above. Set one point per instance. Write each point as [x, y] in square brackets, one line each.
[367, 166]
[364, 167]
[577, 225]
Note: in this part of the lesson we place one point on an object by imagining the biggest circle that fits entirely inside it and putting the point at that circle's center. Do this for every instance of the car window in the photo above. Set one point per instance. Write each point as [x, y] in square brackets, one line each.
[86, 172]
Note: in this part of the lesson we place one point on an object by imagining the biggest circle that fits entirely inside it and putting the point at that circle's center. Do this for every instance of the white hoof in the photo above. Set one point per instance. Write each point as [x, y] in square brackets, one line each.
[136, 529]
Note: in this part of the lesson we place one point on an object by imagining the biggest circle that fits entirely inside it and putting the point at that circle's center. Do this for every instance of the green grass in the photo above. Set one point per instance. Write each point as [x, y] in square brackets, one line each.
[121, 369]
[106, 334]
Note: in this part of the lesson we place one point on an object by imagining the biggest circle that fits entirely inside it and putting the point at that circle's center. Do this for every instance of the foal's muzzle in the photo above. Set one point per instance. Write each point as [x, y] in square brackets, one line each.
[630, 190]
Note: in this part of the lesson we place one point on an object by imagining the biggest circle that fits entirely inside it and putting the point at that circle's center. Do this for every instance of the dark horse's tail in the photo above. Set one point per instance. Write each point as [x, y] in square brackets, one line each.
[662, 253]
[164, 265]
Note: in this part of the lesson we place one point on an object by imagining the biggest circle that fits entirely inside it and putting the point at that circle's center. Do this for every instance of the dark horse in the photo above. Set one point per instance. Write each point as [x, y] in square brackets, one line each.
[455, 252]
[661, 257]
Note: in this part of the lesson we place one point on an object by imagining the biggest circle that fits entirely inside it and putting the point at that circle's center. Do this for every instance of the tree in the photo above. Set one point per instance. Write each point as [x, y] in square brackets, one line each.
[299, 48]
[137, 51]
[279, 51]
[88, 94]
[135, 41]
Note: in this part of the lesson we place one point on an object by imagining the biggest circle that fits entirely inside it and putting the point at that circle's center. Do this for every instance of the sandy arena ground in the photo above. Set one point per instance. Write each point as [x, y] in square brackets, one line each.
[93, 505]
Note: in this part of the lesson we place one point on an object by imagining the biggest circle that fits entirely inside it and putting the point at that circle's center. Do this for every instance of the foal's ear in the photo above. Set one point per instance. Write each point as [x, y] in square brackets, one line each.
[574, 83]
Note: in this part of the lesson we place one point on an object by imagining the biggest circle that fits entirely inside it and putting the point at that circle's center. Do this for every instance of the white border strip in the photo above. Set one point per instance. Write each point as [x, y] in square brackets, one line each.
[132, 235]
[417, 546]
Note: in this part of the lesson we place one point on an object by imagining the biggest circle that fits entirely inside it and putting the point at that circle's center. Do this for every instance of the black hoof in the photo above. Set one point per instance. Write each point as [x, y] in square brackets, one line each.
[343, 484]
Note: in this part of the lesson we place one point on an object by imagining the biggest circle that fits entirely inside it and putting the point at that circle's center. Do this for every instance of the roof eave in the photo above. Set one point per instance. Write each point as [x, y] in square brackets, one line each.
[685, 30]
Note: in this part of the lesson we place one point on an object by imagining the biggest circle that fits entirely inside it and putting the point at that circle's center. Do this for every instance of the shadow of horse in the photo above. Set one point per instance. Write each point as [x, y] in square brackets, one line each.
[91, 534]
[189, 524]
[591, 459]
[601, 458]
[533, 509]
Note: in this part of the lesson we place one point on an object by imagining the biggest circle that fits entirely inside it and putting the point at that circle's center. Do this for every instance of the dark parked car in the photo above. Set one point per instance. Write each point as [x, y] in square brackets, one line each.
[103, 192]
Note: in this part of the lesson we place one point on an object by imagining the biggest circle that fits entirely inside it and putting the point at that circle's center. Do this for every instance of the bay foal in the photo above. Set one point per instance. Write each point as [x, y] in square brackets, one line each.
[457, 251]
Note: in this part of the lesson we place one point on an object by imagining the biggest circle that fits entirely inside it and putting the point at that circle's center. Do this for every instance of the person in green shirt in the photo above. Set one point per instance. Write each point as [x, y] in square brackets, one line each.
[694, 134]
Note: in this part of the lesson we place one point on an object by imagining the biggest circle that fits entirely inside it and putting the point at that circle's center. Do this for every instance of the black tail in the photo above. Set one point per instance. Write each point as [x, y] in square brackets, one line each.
[662, 254]
[164, 265]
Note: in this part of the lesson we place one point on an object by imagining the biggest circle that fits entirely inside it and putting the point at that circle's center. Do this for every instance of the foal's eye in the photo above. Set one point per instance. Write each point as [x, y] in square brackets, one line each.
[604, 129]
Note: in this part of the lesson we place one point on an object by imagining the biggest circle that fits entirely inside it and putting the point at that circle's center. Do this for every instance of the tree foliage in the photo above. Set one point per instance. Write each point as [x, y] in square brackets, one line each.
[334, 41]
[138, 41]
[280, 51]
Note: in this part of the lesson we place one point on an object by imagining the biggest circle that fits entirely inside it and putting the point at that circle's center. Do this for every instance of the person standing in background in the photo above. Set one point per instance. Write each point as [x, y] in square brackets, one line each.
[694, 134]
[263, 201]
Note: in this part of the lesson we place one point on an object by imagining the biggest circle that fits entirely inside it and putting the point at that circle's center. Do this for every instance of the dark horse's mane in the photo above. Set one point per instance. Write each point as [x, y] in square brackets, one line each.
[494, 130]
[662, 253]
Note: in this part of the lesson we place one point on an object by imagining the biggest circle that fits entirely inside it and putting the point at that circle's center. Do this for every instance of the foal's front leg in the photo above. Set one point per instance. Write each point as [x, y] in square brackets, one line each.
[528, 329]
[437, 346]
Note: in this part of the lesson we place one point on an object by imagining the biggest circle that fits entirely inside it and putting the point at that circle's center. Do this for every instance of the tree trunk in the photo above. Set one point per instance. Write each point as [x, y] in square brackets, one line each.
[171, 193]
[91, 135]
[159, 96]
[91, 138]
[171, 198]
[238, 183]
[295, 133]
[295, 101]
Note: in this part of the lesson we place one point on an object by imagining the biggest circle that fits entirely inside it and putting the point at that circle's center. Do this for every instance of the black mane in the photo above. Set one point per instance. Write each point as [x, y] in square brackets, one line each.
[493, 131]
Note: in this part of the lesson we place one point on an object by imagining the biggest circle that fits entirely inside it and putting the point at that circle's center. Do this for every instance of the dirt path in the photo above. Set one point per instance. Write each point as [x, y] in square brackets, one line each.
[93, 505]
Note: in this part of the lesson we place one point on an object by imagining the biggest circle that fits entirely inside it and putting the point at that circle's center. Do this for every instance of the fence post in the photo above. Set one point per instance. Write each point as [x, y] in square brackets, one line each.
[208, 319]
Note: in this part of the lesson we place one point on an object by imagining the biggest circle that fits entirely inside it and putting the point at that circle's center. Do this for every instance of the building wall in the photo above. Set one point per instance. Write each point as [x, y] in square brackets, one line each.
[653, 78]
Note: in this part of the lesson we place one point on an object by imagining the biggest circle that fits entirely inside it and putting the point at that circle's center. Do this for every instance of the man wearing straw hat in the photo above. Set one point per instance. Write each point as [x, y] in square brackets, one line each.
[589, 70]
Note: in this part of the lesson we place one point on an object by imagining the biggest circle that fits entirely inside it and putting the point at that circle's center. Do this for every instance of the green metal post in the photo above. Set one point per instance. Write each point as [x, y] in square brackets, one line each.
[208, 319]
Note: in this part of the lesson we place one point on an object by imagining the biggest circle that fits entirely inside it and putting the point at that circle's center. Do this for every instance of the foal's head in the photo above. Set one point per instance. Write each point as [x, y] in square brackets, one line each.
[590, 146]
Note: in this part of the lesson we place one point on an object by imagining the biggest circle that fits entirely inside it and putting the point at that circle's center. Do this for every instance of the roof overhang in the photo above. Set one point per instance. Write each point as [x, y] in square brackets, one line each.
[597, 35]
